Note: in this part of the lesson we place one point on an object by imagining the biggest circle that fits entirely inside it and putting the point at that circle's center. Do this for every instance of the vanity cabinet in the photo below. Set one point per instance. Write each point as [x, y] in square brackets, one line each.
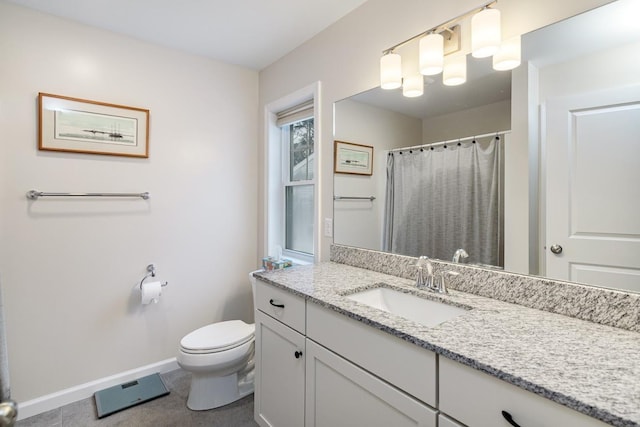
[478, 399]
[319, 368]
[336, 375]
[279, 358]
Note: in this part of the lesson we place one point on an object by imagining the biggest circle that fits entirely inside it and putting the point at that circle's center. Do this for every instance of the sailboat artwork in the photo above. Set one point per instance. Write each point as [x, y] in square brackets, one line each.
[92, 127]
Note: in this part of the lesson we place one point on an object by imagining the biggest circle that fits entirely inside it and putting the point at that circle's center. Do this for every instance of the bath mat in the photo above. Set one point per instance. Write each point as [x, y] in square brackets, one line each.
[132, 393]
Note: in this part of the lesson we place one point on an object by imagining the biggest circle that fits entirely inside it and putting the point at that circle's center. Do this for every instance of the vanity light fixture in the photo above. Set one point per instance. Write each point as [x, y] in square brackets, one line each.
[431, 54]
[439, 44]
[390, 71]
[509, 55]
[413, 85]
[455, 70]
[486, 33]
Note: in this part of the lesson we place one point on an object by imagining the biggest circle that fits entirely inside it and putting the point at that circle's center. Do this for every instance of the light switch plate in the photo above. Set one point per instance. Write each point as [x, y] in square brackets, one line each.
[328, 227]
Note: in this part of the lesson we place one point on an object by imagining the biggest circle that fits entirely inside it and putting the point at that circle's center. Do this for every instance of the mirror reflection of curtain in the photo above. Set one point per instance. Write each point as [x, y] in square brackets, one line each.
[442, 199]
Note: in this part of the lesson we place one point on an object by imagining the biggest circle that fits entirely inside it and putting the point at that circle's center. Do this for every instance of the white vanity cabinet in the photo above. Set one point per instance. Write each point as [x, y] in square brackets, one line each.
[478, 399]
[319, 368]
[344, 373]
[279, 358]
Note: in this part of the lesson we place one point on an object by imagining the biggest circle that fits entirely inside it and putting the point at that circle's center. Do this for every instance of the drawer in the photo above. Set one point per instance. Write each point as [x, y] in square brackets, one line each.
[478, 399]
[405, 365]
[282, 305]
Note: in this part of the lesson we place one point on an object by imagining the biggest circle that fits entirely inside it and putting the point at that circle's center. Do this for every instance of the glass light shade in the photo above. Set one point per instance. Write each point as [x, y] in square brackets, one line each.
[508, 56]
[431, 54]
[455, 70]
[390, 71]
[413, 85]
[486, 33]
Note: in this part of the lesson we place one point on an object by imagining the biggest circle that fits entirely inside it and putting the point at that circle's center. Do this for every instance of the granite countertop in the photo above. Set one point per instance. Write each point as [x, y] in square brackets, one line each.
[592, 368]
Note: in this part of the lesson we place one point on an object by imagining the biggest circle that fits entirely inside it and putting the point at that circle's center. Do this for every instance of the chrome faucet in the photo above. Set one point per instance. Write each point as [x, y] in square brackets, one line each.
[427, 279]
[424, 279]
[460, 253]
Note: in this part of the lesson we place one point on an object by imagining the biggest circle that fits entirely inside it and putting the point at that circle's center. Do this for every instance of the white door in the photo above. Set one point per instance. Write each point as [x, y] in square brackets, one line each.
[593, 188]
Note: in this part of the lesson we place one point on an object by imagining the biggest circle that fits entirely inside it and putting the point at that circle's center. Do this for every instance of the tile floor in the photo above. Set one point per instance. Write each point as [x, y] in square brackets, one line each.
[167, 411]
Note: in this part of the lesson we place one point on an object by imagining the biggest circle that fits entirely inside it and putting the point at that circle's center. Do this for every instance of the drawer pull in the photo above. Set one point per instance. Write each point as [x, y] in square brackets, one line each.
[298, 354]
[507, 416]
[273, 303]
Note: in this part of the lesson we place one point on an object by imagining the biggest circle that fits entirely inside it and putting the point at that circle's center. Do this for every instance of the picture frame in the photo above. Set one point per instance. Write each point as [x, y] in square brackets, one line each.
[350, 158]
[82, 126]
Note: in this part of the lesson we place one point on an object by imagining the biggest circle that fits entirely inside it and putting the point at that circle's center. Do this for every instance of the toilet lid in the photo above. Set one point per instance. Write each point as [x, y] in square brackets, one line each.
[218, 337]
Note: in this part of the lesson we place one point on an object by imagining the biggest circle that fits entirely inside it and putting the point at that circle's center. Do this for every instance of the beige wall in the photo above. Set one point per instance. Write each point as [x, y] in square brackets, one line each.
[345, 59]
[472, 121]
[69, 267]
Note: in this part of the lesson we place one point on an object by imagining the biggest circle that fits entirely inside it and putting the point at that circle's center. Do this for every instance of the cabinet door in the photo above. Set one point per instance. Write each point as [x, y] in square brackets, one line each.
[279, 380]
[341, 394]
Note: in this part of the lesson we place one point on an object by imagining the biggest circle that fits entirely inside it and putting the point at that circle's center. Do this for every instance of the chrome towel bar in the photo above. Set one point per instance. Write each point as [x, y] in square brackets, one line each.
[34, 195]
[372, 198]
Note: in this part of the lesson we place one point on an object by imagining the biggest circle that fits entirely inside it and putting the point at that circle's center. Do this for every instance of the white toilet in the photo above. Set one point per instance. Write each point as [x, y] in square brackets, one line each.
[220, 359]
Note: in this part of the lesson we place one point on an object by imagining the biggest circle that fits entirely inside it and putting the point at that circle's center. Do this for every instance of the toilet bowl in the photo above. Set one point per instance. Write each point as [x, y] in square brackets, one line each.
[220, 359]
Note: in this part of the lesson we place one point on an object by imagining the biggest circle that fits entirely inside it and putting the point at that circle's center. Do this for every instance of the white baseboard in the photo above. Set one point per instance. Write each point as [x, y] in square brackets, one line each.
[64, 397]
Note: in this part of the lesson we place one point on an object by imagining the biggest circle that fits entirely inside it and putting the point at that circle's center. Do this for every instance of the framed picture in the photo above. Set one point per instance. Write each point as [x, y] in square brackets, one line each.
[82, 126]
[352, 158]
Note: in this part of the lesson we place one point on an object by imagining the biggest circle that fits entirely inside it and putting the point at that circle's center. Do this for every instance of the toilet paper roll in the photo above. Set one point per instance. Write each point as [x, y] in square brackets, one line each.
[150, 292]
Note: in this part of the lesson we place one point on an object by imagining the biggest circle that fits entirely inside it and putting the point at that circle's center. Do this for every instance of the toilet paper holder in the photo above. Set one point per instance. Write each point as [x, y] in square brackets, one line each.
[151, 272]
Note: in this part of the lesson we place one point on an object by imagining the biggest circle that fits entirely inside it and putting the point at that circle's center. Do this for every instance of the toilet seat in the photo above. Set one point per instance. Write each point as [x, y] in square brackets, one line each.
[217, 337]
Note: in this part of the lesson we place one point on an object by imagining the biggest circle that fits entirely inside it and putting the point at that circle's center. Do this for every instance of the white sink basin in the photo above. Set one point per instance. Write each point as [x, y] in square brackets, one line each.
[409, 306]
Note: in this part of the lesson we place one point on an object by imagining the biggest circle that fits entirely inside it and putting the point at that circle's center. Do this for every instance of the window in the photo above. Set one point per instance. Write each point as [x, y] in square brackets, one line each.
[298, 146]
[290, 187]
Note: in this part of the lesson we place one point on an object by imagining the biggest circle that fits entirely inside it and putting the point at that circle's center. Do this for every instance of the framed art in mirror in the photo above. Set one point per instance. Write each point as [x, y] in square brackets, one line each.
[352, 158]
[82, 126]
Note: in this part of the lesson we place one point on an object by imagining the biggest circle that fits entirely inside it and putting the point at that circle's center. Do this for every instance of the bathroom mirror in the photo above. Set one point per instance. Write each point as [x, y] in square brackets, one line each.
[566, 56]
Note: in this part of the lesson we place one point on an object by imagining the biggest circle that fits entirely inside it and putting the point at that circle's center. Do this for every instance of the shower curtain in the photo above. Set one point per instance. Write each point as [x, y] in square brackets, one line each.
[445, 197]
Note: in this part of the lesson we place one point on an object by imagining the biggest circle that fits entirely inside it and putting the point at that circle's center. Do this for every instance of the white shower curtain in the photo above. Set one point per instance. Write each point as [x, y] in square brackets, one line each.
[444, 198]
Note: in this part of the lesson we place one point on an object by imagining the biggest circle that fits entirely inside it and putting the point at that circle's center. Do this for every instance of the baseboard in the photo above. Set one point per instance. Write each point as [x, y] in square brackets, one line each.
[64, 397]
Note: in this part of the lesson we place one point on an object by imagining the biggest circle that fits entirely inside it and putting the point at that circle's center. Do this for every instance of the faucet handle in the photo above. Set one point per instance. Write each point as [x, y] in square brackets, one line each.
[440, 283]
[424, 261]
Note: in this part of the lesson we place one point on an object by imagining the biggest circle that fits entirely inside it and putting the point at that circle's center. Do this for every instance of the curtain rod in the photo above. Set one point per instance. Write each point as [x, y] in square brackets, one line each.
[432, 144]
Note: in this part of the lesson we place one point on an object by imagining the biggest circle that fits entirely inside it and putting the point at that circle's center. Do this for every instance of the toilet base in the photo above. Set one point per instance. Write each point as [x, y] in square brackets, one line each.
[210, 391]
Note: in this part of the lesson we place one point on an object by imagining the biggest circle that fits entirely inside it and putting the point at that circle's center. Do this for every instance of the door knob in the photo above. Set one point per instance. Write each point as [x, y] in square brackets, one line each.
[556, 249]
[298, 354]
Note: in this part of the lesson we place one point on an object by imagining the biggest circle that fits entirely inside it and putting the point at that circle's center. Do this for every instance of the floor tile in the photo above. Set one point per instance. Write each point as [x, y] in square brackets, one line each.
[166, 411]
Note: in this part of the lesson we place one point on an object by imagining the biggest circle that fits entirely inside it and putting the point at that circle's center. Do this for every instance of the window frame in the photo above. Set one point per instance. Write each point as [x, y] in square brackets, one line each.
[274, 221]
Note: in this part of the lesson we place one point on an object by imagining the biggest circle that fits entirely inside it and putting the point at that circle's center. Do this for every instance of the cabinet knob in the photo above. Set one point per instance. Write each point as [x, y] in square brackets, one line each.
[298, 354]
[507, 416]
[273, 303]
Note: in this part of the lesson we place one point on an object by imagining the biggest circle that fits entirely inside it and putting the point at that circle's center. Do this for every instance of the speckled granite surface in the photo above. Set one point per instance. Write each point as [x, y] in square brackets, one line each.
[589, 367]
[604, 306]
